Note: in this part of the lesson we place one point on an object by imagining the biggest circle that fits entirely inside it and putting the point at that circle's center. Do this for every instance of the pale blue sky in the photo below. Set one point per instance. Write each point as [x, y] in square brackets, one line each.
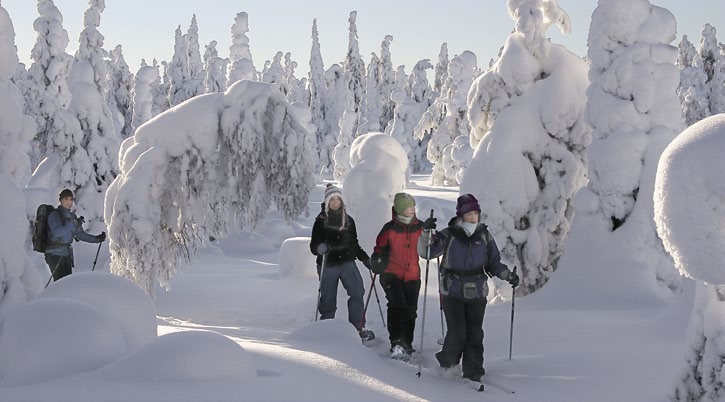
[145, 29]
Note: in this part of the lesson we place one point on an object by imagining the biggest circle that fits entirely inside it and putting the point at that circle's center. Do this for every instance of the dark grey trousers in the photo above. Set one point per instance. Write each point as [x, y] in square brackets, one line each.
[464, 337]
[349, 275]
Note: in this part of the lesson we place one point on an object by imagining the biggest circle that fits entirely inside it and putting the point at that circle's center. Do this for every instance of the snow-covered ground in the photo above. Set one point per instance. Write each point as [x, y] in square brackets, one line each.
[573, 340]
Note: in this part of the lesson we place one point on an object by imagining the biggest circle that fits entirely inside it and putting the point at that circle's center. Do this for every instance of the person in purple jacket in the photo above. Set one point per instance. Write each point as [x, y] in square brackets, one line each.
[469, 254]
[63, 227]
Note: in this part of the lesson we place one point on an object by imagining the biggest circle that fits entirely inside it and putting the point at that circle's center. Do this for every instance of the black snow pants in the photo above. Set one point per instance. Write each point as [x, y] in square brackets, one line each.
[464, 337]
[402, 299]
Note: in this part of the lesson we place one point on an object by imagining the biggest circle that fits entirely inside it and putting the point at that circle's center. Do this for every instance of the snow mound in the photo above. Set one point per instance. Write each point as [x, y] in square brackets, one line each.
[277, 231]
[183, 356]
[56, 337]
[295, 258]
[690, 200]
[117, 298]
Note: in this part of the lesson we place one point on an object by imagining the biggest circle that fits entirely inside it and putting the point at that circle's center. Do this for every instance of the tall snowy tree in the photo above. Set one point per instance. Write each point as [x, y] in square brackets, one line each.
[119, 90]
[341, 153]
[296, 88]
[317, 88]
[354, 69]
[46, 90]
[178, 70]
[441, 69]
[690, 222]
[273, 73]
[408, 111]
[143, 97]
[530, 140]
[371, 108]
[337, 96]
[193, 56]
[89, 165]
[16, 130]
[241, 66]
[242, 151]
[634, 112]
[216, 69]
[447, 118]
[387, 82]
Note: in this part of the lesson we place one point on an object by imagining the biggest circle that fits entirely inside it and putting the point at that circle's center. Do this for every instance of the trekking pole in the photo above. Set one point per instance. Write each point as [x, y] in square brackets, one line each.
[52, 274]
[511, 332]
[96, 260]
[440, 302]
[367, 301]
[425, 295]
[319, 285]
[377, 298]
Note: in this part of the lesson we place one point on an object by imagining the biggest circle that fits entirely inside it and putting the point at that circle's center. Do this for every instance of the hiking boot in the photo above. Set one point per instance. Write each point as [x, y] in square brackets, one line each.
[366, 335]
[478, 377]
[398, 352]
[451, 372]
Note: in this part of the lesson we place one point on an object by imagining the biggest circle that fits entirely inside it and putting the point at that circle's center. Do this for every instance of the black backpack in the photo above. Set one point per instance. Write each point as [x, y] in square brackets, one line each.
[40, 228]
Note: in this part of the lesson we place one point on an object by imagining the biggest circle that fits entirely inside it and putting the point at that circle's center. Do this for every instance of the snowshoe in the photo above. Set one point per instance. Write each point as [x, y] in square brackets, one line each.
[366, 335]
[398, 352]
[476, 385]
[452, 372]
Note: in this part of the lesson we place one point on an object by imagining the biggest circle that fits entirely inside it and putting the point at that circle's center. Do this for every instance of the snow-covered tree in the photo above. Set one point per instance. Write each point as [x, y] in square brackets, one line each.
[16, 130]
[273, 73]
[441, 69]
[90, 163]
[317, 88]
[178, 70]
[161, 88]
[143, 97]
[241, 66]
[341, 153]
[296, 89]
[354, 69]
[197, 74]
[216, 69]
[690, 222]
[337, 96]
[447, 118]
[387, 82]
[204, 170]
[46, 90]
[408, 111]
[694, 99]
[119, 90]
[371, 108]
[530, 139]
[634, 112]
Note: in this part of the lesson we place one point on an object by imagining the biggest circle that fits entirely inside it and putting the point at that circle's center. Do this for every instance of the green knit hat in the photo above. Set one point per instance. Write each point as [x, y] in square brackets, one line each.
[402, 201]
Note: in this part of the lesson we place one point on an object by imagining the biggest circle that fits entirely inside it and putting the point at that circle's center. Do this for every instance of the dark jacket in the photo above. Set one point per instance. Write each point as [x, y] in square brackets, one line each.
[63, 228]
[401, 240]
[466, 260]
[343, 243]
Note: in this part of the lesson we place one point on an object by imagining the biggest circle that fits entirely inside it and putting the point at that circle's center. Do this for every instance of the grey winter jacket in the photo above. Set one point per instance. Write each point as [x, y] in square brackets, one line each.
[63, 227]
[466, 260]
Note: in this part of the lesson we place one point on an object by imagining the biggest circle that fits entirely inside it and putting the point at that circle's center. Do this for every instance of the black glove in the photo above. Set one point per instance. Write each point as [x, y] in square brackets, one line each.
[430, 223]
[367, 264]
[81, 220]
[513, 279]
[101, 237]
[322, 248]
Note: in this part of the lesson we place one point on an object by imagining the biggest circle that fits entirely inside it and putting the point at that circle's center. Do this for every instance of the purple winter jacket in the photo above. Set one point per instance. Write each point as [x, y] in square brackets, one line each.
[467, 261]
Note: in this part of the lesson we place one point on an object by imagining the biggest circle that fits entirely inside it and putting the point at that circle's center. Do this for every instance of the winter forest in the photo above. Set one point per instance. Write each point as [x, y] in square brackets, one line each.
[214, 142]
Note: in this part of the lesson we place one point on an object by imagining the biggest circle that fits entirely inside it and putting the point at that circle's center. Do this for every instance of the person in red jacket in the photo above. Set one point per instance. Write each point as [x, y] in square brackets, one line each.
[401, 279]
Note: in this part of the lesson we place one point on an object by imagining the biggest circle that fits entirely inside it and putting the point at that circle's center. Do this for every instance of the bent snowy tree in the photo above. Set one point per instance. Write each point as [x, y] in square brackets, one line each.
[208, 166]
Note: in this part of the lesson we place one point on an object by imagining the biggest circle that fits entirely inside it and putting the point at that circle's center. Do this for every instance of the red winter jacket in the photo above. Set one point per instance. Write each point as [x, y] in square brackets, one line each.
[403, 241]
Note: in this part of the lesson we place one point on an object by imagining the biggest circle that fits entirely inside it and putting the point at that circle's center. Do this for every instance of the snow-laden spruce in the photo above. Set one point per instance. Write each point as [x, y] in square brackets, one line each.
[241, 66]
[142, 96]
[16, 130]
[204, 169]
[119, 91]
[634, 112]
[216, 69]
[447, 117]
[409, 108]
[530, 140]
[317, 87]
[46, 90]
[379, 164]
[689, 209]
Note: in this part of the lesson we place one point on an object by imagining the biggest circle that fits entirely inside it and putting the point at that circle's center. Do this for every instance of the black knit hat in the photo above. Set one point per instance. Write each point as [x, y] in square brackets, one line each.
[65, 194]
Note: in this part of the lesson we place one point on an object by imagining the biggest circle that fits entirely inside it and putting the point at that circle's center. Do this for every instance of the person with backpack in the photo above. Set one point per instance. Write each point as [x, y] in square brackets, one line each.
[469, 254]
[401, 277]
[334, 241]
[63, 227]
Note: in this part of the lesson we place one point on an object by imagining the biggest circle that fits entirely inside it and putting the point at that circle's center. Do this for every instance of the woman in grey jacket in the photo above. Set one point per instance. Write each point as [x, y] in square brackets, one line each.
[470, 255]
[63, 227]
